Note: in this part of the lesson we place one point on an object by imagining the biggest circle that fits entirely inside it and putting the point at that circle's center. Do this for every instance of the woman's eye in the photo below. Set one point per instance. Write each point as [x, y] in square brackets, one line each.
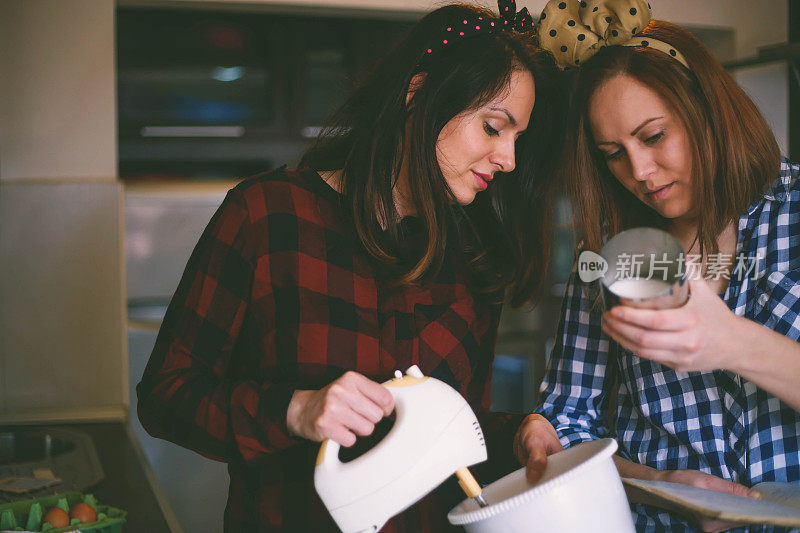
[654, 138]
[490, 131]
[613, 156]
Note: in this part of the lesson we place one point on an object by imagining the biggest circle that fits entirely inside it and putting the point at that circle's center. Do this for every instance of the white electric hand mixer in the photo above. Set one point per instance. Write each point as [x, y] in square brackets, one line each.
[435, 435]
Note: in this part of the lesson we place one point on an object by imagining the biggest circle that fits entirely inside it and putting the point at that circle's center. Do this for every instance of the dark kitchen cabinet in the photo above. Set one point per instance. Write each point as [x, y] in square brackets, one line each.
[225, 94]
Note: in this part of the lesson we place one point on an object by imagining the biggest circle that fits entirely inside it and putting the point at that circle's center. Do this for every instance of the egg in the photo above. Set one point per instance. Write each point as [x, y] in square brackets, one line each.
[83, 512]
[56, 517]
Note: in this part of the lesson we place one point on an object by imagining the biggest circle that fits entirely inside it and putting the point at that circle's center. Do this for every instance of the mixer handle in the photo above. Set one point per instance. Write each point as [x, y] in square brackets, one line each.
[328, 457]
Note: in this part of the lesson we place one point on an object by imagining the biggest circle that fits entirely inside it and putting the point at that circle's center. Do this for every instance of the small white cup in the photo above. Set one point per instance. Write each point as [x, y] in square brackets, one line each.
[646, 269]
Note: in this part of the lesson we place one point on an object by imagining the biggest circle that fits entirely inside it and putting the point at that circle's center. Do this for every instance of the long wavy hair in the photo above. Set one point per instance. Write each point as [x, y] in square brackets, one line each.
[734, 154]
[505, 233]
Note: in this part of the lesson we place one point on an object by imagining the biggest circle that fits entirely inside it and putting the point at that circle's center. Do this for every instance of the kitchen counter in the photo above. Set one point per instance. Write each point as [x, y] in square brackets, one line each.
[126, 484]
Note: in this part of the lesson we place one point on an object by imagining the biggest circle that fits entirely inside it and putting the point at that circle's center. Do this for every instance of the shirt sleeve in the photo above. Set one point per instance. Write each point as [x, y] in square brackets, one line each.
[775, 296]
[186, 394]
[574, 390]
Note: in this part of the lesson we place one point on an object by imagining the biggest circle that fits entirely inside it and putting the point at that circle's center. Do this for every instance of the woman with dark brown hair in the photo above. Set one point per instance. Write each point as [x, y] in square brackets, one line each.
[660, 135]
[419, 206]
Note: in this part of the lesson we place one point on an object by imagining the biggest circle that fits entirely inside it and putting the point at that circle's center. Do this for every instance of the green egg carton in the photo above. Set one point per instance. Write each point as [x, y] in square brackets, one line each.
[27, 515]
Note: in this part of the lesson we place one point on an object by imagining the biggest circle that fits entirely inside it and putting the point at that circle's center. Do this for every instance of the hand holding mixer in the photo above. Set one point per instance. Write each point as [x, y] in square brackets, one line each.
[435, 435]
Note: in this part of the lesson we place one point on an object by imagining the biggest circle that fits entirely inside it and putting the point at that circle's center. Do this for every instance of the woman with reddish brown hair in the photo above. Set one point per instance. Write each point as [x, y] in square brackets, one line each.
[660, 135]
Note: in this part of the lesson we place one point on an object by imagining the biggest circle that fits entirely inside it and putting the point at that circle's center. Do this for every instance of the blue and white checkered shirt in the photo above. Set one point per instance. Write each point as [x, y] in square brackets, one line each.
[715, 422]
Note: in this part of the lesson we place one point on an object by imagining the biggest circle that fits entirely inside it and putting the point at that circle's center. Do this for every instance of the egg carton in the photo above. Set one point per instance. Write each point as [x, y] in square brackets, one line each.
[26, 516]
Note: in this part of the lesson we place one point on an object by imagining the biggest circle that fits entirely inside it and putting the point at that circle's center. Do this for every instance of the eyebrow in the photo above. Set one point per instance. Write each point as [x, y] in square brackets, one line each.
[511, 118]
[634, 132]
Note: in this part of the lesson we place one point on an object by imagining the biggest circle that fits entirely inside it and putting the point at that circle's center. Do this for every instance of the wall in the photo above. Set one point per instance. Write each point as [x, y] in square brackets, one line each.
[57, 97]
[62, 342]
[61, 351]
[756, 24]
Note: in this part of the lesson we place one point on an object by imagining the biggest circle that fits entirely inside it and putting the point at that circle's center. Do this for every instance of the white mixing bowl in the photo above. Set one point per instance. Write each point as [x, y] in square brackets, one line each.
[579, 491]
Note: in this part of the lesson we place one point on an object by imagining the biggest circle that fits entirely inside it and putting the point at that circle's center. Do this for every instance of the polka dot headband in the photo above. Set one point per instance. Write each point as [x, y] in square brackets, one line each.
[470, 25]
[574, 31]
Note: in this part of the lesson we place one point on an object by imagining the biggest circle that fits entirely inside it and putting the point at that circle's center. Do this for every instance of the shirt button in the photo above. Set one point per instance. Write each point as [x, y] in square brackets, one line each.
[763, 299]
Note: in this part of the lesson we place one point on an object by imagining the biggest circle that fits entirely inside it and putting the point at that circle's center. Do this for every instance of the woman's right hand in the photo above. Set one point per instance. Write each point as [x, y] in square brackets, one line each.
[706, 481]
[536, 438]
[344, 410]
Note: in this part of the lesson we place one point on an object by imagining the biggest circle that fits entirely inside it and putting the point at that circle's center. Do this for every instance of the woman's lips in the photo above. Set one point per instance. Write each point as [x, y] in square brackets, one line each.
[659, 194]
[482, 179]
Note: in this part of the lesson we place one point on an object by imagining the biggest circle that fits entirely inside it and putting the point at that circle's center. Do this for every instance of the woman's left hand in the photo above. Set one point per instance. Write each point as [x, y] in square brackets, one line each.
[701, 335]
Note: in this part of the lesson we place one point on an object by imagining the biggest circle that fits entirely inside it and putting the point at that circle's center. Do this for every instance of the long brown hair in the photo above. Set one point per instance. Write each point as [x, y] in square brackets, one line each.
[502, 229]
[734, 154]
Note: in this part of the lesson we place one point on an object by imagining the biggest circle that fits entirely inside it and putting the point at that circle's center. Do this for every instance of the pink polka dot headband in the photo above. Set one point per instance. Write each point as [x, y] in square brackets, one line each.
[471, 25]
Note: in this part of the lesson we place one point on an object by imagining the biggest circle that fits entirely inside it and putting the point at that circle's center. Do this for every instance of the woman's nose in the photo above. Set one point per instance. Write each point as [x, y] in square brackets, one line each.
[642, 165]
[503, 156]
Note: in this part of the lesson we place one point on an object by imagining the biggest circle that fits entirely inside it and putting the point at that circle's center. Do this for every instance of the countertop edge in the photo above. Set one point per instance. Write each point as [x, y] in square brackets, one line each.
[169, 515]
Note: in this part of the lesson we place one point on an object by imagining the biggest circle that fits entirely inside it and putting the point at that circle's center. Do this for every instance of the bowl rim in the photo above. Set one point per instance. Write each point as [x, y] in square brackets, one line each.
[606, 448]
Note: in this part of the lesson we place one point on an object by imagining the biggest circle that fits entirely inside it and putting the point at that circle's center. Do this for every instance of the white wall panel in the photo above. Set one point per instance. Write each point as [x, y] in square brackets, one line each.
[62, 344]
[57, 89]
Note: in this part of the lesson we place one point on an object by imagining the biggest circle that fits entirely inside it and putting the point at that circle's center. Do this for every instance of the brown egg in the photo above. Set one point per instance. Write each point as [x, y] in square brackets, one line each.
[56, 517]
[83, 512]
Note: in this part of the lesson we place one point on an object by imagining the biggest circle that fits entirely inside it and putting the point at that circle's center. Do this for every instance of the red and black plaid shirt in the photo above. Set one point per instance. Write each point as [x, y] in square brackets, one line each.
[278, 296]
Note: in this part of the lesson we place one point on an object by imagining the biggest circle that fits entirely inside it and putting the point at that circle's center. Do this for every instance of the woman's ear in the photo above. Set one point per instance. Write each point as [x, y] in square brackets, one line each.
[413, 86]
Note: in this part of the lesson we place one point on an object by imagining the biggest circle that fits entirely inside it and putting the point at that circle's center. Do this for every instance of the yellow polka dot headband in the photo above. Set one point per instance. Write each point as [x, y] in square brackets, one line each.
[573, 31]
